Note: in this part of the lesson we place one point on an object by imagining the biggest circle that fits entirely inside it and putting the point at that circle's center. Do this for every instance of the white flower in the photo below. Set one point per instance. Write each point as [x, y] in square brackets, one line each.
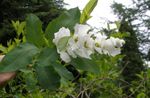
[119, 42]
[81, 30]
[65, 57]
[99, 40]
[81, 43]
[85, 47]
[72, 47]
[110, 49]
[112, 46]
[84, 42]
[60, 34]
[82, 47]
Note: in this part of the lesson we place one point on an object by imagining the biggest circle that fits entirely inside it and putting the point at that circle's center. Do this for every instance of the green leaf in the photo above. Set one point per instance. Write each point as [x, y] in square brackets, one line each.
[48, 57]
[34, 33]
[87, 11]
[62, 43]
[68, 19]
[29, 79]
[3, 48]
[18, 58]
[48, 78]
[85, 65]
[63, 72]
[21, 28]
[120, 35]
[141, 95]
[148, 73]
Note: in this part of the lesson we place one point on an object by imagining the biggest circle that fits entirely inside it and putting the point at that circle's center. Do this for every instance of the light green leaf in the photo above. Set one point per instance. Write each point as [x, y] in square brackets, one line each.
[3, 48]
[34, 33]
[18, 58]
[141, 95]
[21, 28]
[87, 11]
[120, 35]
[68, 19]
[62, 43]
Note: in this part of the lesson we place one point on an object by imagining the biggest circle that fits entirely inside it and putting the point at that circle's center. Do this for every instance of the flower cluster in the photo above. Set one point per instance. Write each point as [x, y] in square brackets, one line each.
[85, 42]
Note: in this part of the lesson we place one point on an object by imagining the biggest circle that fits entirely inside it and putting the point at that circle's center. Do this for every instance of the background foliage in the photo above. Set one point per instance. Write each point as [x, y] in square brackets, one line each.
[18, 10]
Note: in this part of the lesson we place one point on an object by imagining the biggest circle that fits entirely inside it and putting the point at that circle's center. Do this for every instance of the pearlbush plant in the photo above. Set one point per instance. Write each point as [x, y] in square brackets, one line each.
[37, 50]
[67, 42]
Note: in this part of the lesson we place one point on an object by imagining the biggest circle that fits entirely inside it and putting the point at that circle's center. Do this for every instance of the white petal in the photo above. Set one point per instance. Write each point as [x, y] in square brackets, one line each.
[84, 53]
[115, 52]
[99, 50]
[81, 30]
[117, 42]
[71, 52]
[65, 57]
[110, 48]
[61, 33]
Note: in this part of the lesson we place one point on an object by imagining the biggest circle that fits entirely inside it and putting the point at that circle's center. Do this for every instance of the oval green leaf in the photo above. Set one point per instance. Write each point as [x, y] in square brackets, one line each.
[48, 78]
[34, 33]
[18, 58]
[68, 19]
[87, 11]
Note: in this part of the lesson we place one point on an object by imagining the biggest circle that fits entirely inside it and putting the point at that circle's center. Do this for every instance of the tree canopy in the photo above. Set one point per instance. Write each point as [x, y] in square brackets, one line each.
[18, 9]
[138, 15]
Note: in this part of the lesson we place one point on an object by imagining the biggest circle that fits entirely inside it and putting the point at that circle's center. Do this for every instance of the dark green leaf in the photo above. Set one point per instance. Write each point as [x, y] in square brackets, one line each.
[85, 65]
[48, 77]
[63, 72]
[68, 19]
[34, 31]
[87, 11]
[48, 57]
[18, 58]
[30, 79]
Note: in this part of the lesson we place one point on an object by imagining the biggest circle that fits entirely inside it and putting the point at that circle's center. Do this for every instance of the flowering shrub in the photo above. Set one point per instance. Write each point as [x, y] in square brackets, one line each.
[68, 57]
[84, 42]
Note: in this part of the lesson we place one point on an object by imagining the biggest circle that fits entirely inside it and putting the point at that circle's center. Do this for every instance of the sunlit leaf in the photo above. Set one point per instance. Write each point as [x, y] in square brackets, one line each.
[120, 35]
[141, 95]
[87, 11]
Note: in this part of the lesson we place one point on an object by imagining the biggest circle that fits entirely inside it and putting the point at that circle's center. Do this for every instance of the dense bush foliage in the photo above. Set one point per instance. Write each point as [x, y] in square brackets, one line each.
[43, 73]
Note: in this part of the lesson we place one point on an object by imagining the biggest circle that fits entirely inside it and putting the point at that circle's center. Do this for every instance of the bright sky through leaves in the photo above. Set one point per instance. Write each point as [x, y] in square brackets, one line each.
[101, 14]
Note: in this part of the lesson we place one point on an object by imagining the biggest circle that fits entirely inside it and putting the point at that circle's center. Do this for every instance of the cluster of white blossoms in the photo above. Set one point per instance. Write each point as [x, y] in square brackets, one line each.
[85, 42]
